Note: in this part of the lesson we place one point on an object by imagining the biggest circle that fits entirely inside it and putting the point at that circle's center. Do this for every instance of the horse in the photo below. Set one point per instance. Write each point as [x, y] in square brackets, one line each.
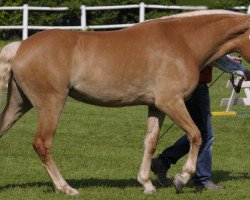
[155, 63]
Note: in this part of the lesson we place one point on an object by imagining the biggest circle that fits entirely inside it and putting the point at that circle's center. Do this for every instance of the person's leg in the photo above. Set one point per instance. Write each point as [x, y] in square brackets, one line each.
[173, 153]
[201, 103]
[201, 114]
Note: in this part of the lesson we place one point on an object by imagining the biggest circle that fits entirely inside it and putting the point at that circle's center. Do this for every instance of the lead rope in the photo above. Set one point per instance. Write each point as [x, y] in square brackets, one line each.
[171, 125]
[238, 86]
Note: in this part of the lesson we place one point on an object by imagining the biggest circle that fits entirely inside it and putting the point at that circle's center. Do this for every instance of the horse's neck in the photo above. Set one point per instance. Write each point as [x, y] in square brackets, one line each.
[210, 37]
[225, 37]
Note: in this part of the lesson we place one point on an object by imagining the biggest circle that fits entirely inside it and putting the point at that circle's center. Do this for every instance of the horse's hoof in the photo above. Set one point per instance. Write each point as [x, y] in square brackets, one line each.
[72, 192]
[178, 183]
[68, 191]
[150, 191]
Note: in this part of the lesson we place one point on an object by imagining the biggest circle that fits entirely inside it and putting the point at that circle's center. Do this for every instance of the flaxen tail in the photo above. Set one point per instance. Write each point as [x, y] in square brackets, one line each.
[17, 104]
[7, 55]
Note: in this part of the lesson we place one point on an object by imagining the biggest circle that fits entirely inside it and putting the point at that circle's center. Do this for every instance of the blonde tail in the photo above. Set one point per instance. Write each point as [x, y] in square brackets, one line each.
[7, 54]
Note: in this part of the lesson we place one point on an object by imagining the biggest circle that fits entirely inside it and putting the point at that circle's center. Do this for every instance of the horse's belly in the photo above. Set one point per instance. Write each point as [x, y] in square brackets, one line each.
[112, 97]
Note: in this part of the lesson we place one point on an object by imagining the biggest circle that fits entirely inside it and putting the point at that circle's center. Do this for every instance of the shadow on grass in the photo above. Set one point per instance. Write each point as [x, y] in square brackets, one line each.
[218, 176]
[79, 183]
[93, 182]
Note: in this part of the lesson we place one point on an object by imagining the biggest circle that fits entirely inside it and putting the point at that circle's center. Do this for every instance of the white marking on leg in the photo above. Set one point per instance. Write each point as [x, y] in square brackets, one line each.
[150, 142]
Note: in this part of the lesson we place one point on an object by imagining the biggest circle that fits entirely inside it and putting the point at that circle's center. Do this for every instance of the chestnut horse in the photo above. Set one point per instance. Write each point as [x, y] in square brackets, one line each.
[155, 63]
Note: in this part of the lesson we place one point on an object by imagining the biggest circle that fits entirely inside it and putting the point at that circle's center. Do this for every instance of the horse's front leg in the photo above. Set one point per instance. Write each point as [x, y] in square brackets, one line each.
[176, 109]
[155, 120]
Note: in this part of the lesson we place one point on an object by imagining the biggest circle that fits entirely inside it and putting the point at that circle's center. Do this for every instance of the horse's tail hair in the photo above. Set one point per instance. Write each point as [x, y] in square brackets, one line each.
[7, 54]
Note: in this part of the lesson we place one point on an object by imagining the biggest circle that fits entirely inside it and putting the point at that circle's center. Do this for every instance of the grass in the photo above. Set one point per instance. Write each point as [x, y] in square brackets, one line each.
[99, 150]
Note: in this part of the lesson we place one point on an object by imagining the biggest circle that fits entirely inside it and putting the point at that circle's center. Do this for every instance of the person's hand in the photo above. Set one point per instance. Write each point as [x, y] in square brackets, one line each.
[237, 58]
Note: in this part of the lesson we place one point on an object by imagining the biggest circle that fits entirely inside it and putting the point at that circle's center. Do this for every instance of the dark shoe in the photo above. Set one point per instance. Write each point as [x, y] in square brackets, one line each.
[160, 171]
[209, 186]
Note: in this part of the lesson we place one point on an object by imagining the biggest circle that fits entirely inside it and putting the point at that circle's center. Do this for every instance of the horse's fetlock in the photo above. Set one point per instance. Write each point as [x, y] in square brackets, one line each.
[189, 168]
[142, 179]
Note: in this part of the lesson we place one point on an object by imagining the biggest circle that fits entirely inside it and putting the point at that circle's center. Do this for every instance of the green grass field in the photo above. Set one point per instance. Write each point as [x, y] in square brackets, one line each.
[99, 151]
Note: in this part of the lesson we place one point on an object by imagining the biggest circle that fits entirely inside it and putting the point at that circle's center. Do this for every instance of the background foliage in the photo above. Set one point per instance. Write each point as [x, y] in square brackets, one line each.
[72, 16]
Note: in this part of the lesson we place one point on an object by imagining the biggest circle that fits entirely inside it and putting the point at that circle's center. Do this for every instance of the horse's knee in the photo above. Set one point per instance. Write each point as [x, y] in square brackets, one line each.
[150, 144]
[151, 139]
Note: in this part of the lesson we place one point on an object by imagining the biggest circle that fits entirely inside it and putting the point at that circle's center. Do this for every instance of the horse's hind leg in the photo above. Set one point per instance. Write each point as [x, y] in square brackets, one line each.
[177, 111]
[48, 116]
[155, 120]
[17, 105]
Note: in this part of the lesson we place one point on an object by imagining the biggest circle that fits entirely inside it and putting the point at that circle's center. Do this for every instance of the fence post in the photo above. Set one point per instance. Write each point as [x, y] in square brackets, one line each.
[142, 12]
[83, 17]
[248, 10]
[25, 21]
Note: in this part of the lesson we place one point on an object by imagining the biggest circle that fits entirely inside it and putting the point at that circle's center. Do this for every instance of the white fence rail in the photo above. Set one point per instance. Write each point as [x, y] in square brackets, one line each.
[234, 99]
[142, 6]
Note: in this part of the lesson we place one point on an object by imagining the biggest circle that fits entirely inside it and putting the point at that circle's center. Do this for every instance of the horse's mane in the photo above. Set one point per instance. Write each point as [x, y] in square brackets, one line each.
[203, 12]
[199, 13]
